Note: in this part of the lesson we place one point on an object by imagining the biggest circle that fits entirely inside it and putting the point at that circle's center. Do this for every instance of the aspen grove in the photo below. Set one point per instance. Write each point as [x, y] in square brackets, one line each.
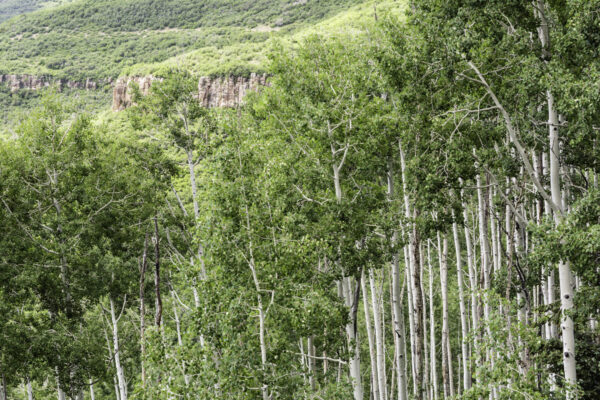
[408, 211]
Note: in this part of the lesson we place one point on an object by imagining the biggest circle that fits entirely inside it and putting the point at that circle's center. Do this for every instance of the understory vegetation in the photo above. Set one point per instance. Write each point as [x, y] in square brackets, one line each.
[411, 211]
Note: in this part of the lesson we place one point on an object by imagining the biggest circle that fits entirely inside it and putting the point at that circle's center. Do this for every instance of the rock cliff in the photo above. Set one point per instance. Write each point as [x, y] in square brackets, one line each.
[32, 82]
[212, 92]
[122, 92]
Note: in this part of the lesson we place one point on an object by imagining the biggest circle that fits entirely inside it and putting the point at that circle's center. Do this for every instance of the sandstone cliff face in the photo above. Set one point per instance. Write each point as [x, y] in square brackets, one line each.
[122, 92]
[229, 91]
[212, 92]
[32, 82]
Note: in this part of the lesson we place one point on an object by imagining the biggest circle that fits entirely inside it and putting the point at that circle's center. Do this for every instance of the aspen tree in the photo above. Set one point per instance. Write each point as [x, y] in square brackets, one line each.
[432, 345]
[371, 340]
[379, 338]
[415, 272]
[463, 310]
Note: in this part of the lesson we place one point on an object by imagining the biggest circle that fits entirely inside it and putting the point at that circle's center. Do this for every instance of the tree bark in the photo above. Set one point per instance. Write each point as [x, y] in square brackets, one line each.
[371, 340]
[446, 353]
[351, 298]
[117, 352]
[379, 339]
[159, 307]
[417, 299]
[432, 345]
[311, 363]
[399, 329]
[92, 393]
[143, 266]
[29, 389]
[463, 311]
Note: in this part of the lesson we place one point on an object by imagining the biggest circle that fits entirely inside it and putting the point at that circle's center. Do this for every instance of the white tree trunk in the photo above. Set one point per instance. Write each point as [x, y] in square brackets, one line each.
[186, 377]
[446, 353]
[432, 346]
[472, 280]
[424, 296]
[61, 394]
[371, 340]
[484, 245]
[351, 297]
[411, 318]
[117, 353]
[417, 298]
[29, 389]
[463, 311]
[92, 393]
[564, 269]
[311, 362]
[400, 334]
[379, 339]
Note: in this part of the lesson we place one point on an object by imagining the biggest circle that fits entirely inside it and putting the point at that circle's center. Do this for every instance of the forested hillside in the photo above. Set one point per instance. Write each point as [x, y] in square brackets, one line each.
[97, 39]
[407, 209]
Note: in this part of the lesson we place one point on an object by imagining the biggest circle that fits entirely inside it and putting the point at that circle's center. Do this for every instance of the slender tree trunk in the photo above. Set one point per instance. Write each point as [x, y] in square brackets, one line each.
[159, 307]
[261, 309]
[400, 334]
[418, 311]
[311, 363]
[432, 345]
[143, 266]
[351, 294]
[463, 311]
[117, 352]
[484, 245]
[411, 319]
[61, 394]
[371, 340]
[472, 282]
[29, 389]
[186, 377]
[564, 269]
[379, 339]
[446, 353]
[112, 358]
[92, 393]
[426, 363]
[352, 297]
[417, 298]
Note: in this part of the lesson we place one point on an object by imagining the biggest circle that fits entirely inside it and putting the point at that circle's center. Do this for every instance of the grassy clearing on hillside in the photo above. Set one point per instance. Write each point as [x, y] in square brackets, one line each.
[244, 57]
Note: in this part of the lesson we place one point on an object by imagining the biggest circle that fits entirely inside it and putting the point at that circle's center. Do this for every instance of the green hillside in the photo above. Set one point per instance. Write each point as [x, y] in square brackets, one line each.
[97, 39]
[10, 8]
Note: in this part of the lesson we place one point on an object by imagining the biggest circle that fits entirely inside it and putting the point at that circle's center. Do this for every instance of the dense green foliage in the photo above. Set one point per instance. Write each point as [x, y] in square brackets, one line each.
[406, 212]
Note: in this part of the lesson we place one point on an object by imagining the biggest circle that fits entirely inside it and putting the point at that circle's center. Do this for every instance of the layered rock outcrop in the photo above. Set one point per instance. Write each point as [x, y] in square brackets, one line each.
[122, 92]
[229, 91]
[16, 82]
[212, 92]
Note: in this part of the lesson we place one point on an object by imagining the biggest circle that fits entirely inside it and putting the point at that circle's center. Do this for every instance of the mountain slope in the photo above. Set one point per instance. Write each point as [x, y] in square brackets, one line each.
[11, 8]
[241, 57]
[97, 39]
